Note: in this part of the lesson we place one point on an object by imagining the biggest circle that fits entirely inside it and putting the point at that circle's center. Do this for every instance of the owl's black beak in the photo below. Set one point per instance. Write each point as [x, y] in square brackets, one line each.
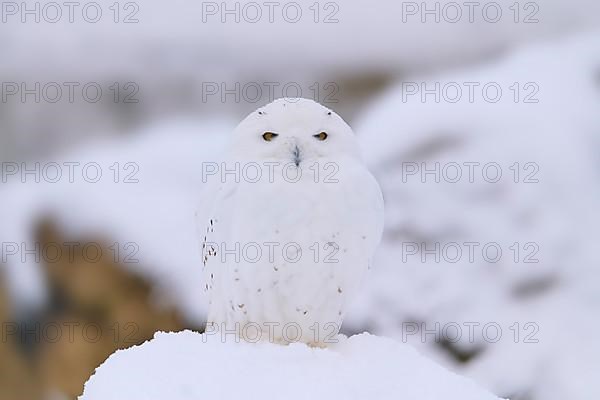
[296, 154]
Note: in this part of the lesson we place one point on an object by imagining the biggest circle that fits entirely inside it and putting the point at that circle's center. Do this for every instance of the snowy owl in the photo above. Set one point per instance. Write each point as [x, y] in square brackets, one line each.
[288, 226]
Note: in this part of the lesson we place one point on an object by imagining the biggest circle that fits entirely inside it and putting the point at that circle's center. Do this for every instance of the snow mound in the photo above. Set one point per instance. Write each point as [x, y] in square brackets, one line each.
[559, 213]
[188, 366]
[156, 213]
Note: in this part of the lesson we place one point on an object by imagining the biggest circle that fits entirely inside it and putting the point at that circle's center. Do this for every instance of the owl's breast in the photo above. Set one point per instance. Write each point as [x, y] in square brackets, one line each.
[301, 247]
[305, 207]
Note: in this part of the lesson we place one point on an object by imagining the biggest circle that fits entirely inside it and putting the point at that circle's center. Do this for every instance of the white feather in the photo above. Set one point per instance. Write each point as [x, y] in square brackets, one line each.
[333, 213]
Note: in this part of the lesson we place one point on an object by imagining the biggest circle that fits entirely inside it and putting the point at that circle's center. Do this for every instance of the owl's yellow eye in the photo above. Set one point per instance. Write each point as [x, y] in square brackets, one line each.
[268, 136]
[321, 136]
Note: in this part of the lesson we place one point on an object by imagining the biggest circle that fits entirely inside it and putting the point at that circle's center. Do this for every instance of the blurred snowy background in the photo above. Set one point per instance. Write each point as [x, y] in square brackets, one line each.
[432, 89]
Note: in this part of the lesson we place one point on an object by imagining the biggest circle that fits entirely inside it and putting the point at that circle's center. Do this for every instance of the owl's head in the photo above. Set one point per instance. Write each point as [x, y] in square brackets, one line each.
[294, 130]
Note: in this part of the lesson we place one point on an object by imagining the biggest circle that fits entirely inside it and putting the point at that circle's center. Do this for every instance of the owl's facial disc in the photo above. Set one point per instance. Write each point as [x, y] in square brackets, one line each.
[294, 131]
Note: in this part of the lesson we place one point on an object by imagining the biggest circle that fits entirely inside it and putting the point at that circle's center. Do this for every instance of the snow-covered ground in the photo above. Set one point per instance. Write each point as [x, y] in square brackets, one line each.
[187, 366]
[155, 214]
[554, 299]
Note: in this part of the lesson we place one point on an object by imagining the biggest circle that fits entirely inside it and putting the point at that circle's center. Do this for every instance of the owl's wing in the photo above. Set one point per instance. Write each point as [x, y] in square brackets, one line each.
[366, 196]
[212, 224]
[377, 204]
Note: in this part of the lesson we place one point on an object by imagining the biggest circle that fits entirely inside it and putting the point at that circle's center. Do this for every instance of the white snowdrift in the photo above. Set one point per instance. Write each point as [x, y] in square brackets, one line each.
[189, 366]
[157, 213]
[560, 134]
